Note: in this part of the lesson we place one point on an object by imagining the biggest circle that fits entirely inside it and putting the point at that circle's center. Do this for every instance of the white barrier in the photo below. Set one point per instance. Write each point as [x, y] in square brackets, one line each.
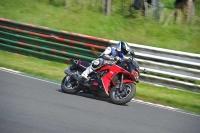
[168, 67]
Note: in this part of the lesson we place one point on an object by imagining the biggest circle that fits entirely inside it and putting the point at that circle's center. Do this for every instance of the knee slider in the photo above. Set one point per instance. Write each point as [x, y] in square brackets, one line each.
[96, 64]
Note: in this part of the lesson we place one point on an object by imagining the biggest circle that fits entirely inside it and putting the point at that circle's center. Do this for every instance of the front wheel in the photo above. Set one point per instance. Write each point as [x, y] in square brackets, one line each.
[69, 85]
[124, 96]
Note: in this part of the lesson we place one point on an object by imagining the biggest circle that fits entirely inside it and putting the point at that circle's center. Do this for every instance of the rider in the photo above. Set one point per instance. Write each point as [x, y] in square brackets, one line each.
[107, 57]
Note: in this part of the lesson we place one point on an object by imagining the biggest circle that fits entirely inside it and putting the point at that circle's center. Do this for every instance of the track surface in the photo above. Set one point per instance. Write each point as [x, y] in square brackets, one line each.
[29, 105]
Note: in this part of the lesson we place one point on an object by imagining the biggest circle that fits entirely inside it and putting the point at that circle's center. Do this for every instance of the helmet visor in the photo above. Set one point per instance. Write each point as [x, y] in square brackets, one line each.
[124, 49]
[121, 55]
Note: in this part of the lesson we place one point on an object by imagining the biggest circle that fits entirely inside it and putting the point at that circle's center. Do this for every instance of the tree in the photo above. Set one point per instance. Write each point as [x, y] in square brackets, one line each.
[106, 7]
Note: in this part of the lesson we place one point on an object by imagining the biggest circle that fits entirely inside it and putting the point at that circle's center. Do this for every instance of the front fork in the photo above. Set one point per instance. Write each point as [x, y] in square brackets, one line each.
[121, 84]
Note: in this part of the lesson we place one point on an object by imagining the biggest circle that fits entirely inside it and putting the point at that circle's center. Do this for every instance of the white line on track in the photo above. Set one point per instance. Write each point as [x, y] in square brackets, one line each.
[21, 74]
[8, 70]
[152, 104]
[164, 107]
[133, 100]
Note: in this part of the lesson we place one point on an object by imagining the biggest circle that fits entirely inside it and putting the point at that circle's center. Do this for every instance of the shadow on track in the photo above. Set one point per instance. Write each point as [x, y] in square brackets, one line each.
[90, 96]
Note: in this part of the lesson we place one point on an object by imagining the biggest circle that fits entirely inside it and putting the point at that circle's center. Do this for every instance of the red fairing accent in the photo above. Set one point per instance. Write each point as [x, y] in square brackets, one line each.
[80, 63]
[95, 84]
[135, 73]
[127, 81]
[113, 70]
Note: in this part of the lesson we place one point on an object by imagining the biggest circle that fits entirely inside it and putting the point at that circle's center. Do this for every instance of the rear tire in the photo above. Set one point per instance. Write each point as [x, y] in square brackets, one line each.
[69, 85]
[117, 97]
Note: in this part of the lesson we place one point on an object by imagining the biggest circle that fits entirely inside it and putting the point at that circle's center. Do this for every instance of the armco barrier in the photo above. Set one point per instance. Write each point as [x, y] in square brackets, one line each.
[164, 67]
[168, 67]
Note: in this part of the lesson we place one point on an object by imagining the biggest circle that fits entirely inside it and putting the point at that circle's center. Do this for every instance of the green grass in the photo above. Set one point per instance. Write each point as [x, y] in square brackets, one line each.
[55, 71]
[34, 66]
[170, 97]
[134, 29]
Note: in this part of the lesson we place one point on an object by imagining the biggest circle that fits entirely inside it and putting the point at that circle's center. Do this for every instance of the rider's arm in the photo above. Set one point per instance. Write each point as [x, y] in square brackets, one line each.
[126, 57]
[107, 54]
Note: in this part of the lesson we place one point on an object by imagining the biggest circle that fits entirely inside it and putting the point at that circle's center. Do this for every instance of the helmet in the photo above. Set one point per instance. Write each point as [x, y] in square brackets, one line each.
[123, 49]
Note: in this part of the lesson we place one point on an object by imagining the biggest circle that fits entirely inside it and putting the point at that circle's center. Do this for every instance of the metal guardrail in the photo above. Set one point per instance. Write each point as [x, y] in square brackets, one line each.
[165, 67]
[168, 67]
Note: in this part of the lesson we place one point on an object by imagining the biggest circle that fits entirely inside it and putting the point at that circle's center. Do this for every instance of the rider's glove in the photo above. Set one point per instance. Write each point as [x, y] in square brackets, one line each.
[117, 58]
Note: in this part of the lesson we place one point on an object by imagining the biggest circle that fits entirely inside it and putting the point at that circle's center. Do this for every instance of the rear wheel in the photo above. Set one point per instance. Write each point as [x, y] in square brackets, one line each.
[70, 85]
[124, 96]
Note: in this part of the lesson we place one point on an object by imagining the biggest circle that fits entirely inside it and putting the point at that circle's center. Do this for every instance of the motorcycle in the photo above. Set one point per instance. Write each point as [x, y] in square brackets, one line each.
[116, 81]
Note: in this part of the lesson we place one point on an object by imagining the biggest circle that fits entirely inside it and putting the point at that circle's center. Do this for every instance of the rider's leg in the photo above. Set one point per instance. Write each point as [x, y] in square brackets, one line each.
[95, 65]
[87, 72]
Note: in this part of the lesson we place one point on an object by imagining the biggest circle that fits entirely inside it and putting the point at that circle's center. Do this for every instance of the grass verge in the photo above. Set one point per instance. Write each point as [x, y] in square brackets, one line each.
[53, 70]
[133, 29]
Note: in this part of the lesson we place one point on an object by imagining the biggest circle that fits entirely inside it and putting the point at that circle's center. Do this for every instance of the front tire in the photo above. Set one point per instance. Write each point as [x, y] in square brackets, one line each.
[117, 97]
[69, 85]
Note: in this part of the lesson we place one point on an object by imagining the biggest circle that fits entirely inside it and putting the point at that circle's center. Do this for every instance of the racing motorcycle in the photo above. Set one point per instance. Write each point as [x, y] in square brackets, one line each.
[116, 81]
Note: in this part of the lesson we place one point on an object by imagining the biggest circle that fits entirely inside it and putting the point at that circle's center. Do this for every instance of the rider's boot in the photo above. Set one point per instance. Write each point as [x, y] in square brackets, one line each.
[87, 72]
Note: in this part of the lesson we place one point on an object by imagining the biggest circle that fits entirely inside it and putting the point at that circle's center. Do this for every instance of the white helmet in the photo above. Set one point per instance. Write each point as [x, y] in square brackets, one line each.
[123, 48]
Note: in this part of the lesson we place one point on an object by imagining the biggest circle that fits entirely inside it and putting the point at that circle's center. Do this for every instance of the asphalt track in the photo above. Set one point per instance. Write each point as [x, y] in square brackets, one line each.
[29, 105]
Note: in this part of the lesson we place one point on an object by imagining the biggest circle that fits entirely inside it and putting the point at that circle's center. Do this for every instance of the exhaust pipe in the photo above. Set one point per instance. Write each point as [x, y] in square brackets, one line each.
[68, 72]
